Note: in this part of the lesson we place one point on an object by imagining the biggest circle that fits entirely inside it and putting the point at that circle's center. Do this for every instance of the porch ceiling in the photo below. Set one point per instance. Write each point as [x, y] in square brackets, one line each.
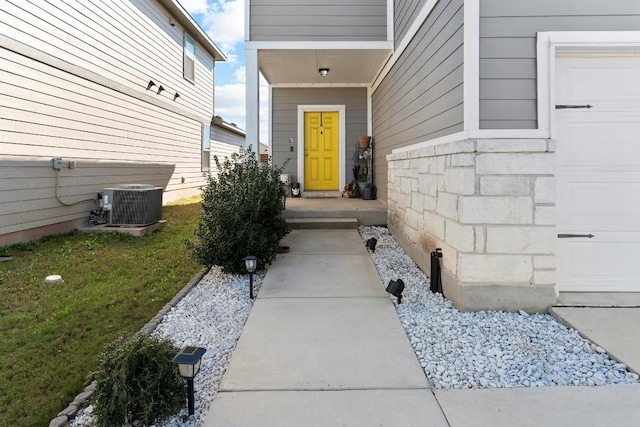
[301, 66]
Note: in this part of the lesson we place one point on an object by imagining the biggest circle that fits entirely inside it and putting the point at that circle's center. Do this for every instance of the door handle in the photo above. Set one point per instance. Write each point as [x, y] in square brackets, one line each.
[574, 236]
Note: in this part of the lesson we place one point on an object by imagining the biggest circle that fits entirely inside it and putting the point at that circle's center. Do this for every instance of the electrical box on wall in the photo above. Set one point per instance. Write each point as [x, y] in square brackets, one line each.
[57, 163]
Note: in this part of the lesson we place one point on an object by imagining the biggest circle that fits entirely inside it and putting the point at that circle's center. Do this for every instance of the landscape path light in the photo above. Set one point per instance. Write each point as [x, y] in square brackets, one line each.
[251, 264]
[188, 361]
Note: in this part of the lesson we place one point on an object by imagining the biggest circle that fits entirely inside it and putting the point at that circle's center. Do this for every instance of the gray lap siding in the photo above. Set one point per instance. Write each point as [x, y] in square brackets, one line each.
[422, 96]
[508, 91]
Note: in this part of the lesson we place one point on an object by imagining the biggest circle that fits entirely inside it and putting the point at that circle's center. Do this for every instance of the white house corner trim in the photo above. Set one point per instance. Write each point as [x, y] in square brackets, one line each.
[247, 20]
[270, 123]
[390, 21]
[252, 100]
[342, 140]
[411, 33]
[543, 68]
[369, 111]
[471, 66]
[549, 43]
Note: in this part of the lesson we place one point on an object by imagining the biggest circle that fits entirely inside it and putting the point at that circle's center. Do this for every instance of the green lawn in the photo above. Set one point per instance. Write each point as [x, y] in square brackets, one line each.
[50, 335]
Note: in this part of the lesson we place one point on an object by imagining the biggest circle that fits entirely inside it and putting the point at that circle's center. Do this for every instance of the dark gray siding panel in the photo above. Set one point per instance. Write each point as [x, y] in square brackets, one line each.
[422, 96]
[405, 12]
[285, 103]
[508, 30]
[307, 20]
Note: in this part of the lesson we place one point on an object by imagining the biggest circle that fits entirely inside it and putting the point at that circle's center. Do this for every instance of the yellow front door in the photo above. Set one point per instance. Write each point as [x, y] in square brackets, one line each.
[321, 153]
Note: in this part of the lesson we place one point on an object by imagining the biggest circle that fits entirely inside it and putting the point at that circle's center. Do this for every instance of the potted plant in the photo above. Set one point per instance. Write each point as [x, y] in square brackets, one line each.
[364, 141]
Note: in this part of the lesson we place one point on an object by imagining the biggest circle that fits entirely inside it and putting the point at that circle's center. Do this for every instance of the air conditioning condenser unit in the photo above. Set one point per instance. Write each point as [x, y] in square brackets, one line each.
[132, 204]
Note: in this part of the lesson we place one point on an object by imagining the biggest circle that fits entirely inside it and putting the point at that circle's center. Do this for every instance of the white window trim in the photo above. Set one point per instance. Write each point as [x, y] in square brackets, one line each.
[205, 152]
[185, 54]
[341, 109]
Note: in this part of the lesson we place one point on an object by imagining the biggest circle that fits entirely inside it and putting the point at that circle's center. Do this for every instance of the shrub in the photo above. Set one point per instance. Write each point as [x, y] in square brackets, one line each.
[137, 382]
[241, 215]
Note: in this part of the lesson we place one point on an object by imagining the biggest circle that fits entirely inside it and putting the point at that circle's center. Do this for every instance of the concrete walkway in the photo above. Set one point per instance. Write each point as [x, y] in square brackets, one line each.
[323, 346]
[617, 330]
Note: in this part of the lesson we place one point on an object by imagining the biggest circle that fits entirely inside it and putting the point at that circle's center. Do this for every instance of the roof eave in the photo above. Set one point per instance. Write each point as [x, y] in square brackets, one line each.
[178, 12]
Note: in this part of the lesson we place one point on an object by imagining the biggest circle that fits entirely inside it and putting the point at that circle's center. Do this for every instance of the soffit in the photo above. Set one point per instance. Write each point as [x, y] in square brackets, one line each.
[347, 66]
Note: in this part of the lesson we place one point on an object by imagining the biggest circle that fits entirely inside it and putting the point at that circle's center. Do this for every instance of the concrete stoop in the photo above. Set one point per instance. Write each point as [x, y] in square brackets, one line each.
[322, 223]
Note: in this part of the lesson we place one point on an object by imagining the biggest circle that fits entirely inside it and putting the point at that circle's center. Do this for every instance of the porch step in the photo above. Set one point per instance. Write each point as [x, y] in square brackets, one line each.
[314, 223]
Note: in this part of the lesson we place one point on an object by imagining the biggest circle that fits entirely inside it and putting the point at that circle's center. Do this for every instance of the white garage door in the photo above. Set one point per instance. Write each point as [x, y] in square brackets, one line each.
[598, 173]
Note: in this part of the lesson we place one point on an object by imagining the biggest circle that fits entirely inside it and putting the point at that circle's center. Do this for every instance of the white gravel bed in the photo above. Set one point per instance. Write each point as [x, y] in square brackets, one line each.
[487, 348]
[456, 350]
[212, 316]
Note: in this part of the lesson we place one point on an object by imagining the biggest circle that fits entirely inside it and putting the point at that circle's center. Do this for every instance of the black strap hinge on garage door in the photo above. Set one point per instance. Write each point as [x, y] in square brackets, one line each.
[573, 236]
[565, 107]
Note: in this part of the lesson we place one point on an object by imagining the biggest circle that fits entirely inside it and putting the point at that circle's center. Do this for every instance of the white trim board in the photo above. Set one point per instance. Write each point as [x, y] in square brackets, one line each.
[549, 46]
[410, 34]
[247, 20]
[319, 45]
[270, 123]
[553, 42]
[369, 111]
[342, 120]
[317, 85]
[390, 21]
[479, 134]
[454, 137]
[471, 65]
[252, 98]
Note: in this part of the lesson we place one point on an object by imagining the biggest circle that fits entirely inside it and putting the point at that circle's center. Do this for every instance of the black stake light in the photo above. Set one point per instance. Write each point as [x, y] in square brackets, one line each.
[188, 361]
[371, 244]
[251, 264]
[395, 288]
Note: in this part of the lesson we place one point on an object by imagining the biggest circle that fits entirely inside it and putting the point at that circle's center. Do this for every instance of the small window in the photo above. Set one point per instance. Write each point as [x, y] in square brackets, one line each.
[189, 58]
[206, 148]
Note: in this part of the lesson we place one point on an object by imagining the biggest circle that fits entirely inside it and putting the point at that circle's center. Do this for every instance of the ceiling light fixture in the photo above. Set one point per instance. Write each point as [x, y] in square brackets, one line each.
[324, 72]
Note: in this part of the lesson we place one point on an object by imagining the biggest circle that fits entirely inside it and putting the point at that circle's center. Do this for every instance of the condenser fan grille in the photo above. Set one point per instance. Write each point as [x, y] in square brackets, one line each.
[135, 207]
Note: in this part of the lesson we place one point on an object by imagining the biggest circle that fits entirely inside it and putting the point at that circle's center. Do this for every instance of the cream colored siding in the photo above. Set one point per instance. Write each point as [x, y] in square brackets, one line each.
[27, 190]
[127, 42]
[113, 138]
[222, 150]
[227, 136]
[295, 20]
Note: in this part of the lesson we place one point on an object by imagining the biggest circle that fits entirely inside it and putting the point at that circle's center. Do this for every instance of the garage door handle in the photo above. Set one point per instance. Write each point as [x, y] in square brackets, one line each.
[573, 236]
[565, 107]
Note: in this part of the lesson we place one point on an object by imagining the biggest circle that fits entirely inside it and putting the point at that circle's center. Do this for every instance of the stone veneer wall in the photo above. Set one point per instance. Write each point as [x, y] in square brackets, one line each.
[490, 205]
